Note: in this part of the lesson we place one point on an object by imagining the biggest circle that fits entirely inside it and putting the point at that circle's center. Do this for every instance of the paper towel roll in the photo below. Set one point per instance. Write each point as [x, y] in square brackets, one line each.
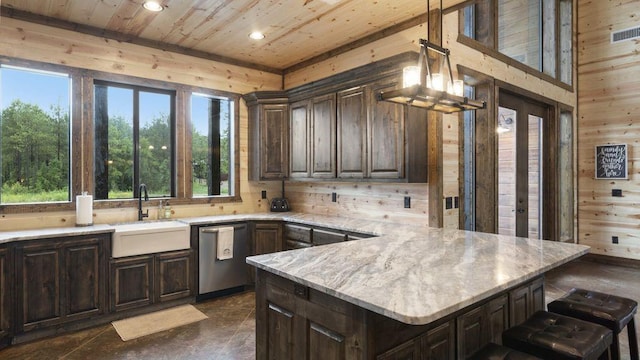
[84, 210]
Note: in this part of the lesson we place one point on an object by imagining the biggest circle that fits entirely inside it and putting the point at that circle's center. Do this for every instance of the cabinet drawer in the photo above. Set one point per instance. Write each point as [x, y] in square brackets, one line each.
[297, 233]
[322, 237]
[292, 244]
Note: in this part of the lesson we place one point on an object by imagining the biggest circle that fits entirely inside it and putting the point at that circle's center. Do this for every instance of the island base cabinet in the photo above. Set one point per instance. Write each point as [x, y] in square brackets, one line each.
[296, 322]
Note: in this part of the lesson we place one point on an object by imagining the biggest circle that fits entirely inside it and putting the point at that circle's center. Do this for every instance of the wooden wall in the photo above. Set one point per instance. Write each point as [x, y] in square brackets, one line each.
[609, 112]
[407, 40]
[45, 44]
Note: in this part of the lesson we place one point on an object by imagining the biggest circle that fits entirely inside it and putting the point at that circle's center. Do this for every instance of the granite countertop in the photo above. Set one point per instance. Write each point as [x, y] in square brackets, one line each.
[415, 274]
[411, 273]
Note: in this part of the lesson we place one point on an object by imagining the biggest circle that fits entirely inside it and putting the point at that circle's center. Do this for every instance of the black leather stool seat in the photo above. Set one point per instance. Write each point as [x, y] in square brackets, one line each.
[612, 311]
[553, 336]
[496, 352]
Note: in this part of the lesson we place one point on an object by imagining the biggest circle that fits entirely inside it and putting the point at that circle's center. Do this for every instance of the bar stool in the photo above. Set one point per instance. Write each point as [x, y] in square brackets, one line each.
[611, 311]
[493, 351]
[558, 337]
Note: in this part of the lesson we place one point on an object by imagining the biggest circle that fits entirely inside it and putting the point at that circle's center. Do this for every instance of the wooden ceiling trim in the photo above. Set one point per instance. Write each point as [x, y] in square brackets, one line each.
[416, 21]
[90, 30]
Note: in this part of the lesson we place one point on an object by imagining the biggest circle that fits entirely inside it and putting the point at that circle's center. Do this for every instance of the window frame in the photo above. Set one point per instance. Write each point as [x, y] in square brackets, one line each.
[235, 147]
[82, 140]
[491, 48]
[137, 89]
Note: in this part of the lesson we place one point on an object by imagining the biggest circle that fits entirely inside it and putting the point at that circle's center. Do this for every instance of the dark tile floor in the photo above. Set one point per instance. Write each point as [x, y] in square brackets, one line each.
[229, 332]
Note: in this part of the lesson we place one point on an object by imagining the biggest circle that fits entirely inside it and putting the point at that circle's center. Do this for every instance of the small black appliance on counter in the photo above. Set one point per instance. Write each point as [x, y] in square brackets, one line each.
[280, 204]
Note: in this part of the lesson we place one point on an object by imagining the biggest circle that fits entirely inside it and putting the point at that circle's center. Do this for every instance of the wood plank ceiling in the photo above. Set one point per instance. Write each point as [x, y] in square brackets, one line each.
[296, 31]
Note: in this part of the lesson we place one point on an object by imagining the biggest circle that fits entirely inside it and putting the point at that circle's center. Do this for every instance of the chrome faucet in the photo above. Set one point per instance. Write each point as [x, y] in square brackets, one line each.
[142, 215]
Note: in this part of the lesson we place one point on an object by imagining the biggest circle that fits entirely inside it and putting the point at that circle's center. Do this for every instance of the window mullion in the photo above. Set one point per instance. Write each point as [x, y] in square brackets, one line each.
[136, 142]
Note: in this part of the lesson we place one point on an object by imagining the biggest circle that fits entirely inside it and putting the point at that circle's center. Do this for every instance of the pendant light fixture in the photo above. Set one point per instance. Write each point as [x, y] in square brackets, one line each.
[434, 91]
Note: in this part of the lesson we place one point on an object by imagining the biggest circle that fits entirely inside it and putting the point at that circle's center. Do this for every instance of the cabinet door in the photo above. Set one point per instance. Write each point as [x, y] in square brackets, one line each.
[386, 134]
[39, 275]
[352, 134]
[323, 237]
[407, 351]
[299, 140]
[439, 343]
[498, 318]
[173, 275]
[471, 331]
[323, 136]
[273, 138]
[85, 280]
[267, 238]
[131, 282]
[6, 297]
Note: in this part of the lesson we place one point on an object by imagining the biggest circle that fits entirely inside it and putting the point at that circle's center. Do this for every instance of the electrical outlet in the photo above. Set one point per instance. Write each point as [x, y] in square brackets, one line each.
[456, 202]
[616, 192]
[334, 197]
[614, 239]
[264, 194]
[448, 201]
[407, 202]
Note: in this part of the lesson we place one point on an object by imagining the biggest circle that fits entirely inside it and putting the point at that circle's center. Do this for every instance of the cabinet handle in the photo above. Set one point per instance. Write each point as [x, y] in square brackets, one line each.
[328, 333]
[280, 310]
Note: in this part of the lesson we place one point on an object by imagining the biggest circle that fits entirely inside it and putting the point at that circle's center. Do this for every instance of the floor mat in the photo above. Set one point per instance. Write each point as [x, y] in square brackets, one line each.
[142, 325]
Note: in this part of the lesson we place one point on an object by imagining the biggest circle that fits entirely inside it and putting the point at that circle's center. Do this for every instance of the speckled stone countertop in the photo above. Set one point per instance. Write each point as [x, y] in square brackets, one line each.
[415, 274]
[411, 273]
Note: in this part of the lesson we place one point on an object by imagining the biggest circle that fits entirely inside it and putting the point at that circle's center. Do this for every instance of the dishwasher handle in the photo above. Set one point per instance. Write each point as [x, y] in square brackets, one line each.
[214, 230]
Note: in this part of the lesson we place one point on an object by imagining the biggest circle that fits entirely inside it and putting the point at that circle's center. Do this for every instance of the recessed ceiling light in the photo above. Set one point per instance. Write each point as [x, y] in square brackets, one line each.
[256, 35]
[153, 6]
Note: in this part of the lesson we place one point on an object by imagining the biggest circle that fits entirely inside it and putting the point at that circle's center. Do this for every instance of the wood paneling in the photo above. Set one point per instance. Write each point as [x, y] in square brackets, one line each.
[608, 112]
[220, 29]
[45, 44]
[366, 200]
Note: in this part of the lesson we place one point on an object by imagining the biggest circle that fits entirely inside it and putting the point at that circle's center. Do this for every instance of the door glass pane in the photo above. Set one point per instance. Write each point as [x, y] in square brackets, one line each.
[506, 171]
[535, 176]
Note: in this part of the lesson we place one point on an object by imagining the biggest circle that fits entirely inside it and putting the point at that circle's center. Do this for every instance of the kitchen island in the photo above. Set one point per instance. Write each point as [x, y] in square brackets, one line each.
[415, 292]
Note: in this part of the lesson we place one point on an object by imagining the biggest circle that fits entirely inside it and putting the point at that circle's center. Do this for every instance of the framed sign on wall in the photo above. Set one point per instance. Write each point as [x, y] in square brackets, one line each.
[611, 161]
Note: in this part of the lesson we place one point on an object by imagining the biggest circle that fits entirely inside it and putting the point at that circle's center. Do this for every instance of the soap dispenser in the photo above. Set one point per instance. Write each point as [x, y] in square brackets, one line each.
[167, 211]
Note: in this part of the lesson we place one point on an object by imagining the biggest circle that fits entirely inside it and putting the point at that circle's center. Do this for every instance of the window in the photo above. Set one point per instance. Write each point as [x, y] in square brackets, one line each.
[134, 141]
[212, 145]
[34, 135]
[535, 33]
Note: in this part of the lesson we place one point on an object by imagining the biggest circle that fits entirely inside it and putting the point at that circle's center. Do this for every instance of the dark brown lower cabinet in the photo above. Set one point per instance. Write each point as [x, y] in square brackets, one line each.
[131, 282]
[143, 280]
[6, 296]
[525, 300]
[297, 322]
[61, 280]
[173, 275]
[481, 325]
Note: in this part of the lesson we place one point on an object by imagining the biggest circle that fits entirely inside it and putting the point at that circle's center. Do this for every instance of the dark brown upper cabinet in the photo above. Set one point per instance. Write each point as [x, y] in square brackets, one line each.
[268, 135]
[352, 134]
[337, 129]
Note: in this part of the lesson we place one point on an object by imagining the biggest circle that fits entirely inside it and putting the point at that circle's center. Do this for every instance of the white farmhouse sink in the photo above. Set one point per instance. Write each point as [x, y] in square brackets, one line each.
[149, 237]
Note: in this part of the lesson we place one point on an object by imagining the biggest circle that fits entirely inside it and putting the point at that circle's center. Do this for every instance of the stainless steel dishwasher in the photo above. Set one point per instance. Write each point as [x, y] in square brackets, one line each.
[218, 277]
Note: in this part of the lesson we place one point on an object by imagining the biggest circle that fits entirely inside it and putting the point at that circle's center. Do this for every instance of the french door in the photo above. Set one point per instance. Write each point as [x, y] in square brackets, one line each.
[521, 176]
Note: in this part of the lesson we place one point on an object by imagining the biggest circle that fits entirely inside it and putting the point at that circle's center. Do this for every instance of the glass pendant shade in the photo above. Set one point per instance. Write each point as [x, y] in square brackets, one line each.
[410, 76]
